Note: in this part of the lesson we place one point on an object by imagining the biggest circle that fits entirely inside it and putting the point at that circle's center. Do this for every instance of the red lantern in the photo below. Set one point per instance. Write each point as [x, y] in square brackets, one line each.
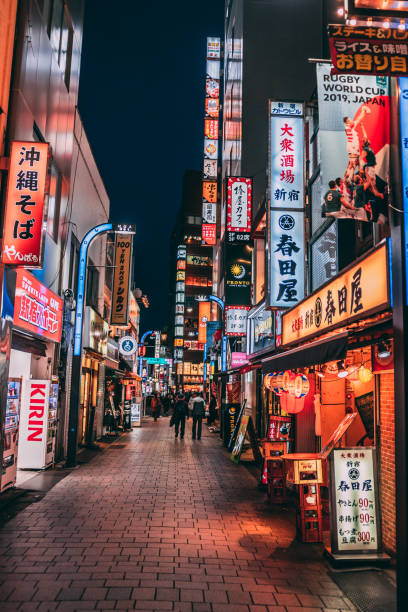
[295, 404]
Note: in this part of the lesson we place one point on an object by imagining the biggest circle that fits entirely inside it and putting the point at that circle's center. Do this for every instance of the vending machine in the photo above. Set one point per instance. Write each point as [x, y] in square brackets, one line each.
[38, 424]
[9, 464]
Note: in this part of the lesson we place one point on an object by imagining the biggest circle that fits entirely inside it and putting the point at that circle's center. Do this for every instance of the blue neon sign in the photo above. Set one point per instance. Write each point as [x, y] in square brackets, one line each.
[80, 298]
[224, 354]
[403, 83]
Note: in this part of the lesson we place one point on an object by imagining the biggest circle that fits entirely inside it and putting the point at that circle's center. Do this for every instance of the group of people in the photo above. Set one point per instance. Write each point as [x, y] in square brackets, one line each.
[361, 193]
[183, 406]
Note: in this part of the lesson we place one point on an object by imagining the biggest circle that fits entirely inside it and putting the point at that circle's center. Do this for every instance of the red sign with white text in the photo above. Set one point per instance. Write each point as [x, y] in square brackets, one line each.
[209, 233]
[36, 308]
[26, 186]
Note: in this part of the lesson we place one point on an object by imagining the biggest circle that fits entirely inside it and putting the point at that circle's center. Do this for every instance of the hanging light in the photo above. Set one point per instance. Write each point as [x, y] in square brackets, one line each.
[364, 374]
[342, 372]
[383, 350]
[401, 25]
[386, 24]
[353, 21]
[340, 12]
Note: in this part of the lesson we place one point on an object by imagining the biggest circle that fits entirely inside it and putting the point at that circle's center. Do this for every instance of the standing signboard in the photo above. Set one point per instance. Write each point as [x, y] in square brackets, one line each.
[121, 279]
[33, 450]
[286, 267]
[24, 227]
[354, 498]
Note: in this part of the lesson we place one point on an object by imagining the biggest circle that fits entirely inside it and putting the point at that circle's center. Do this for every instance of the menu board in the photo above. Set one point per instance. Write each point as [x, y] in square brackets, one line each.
[355, 526]
[279, 429]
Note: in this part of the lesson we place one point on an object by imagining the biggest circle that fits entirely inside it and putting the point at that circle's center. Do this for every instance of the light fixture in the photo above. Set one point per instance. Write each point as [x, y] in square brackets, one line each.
[340, 12]
[320, 373]
[386, 24]
[342, 371]
[401, 25]
[364, 374]
[353, 21]
[383, 350]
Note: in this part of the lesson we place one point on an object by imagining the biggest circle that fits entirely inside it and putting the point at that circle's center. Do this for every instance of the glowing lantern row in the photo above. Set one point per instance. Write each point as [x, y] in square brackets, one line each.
[296, 385]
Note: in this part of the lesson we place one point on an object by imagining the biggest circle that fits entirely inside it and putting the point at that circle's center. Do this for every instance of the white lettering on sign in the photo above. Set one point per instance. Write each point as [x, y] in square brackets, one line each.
[36, 412]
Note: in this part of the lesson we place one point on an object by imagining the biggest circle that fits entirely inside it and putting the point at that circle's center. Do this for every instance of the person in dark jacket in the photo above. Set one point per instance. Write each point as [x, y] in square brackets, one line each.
[198, 410]
[180, 414]
[212, 410]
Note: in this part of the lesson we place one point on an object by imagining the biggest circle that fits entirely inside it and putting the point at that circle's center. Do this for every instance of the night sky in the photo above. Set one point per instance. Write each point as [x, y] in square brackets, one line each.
[141, 99]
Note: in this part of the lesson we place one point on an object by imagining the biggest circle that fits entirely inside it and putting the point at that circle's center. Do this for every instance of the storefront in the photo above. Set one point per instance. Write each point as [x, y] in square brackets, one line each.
[32, 398]
[334, 373]
[95, 341]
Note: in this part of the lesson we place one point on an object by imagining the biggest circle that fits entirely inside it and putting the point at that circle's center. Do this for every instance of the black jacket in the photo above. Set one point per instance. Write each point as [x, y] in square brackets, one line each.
[180, 409]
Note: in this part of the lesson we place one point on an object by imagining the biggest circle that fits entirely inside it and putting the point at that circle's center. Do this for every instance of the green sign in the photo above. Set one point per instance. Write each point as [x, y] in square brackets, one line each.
[156, 360]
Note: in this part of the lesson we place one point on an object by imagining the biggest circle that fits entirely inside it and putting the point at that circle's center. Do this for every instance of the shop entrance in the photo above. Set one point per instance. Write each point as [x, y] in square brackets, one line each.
[89, 400]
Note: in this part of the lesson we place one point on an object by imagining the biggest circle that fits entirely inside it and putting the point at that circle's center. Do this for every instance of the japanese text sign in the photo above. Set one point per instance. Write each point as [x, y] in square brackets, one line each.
[355, 526]
[368, 50]
[236, 320]
[360, 290]
[209, 233]
[214, 47]
[286, 258]
[36, 308]
[204, 315]
[285, 160]
[121, 278]
[239, 202]
[24, 217]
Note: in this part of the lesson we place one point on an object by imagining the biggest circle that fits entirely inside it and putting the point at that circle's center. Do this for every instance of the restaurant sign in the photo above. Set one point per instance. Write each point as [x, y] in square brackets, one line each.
[354, 498]
[360, 290]
[121, 279]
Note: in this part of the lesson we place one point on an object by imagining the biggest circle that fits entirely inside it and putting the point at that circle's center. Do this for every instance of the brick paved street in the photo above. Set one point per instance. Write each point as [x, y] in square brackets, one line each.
[158, 524]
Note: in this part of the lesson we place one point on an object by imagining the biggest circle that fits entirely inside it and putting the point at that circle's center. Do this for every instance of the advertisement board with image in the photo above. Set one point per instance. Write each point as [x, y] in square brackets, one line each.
[354, 140]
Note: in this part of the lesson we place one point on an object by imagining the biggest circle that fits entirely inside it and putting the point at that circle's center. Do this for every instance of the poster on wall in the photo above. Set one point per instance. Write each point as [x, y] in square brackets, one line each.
[354, 140]
[354, 496]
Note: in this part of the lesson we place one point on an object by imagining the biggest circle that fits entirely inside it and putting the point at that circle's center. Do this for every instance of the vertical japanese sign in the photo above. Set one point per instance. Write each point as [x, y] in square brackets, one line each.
[355, 526]
[121, 279]
[204, 315]
[354, 141]
[239, 205]
[286, 196]
[181, 257]
[403, 101]
[24, 226]
[211, 134]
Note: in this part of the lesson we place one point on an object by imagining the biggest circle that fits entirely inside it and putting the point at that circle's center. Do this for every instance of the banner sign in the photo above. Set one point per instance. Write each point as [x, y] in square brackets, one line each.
[238, 359]
[121, 279]
[355, 527]
[286, 258]
[239, 204]
[204, 315]
[368, 50]
[214, 338]
[211, 135]
[285, 156]
[238, 274]
[236, 320]
[24, 226]
[354, 137]
[358, 291]
[181, 258]
[36, 308]
[261, 330]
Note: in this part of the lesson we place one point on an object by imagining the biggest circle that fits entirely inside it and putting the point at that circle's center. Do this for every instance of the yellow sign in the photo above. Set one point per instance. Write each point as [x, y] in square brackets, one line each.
[121, 278]
[358, 291]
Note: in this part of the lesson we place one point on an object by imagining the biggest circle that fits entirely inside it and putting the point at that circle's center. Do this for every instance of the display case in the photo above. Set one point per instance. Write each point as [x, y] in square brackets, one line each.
[11, 423]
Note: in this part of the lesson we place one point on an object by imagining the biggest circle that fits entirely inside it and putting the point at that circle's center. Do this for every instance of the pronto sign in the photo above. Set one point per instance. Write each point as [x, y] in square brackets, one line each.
[36, 308]
[24, 218]
[358, 291]
[120, 293]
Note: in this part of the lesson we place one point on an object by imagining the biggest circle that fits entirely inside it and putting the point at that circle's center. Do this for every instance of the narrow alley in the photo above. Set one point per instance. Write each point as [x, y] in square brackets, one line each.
[155, 523]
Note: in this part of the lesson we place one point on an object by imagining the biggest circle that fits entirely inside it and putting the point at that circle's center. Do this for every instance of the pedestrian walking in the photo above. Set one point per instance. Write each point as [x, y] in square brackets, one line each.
[179, 415]
[155, 406]
[198, 410]
[166, 405]
[212, 410]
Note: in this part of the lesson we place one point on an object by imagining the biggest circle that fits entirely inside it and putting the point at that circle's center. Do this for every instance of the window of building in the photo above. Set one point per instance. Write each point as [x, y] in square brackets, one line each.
[54, 202]
[92, 284]
[73, 264]
[61, 34]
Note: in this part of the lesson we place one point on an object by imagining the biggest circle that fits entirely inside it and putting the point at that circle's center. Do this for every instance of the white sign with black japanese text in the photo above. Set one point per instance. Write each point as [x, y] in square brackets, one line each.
[236, 320]
[287, 259]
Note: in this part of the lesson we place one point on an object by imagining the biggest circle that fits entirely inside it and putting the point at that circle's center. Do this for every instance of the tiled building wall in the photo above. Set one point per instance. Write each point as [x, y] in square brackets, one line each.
[387, 460]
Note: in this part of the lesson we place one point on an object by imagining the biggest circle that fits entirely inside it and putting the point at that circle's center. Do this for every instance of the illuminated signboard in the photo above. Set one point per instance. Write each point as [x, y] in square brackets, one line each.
[238, 274]
[395, 9]
[211, 129]
[210, 168]
[360, 290]
[36, 308]
[179, 305]
[368, 50]
[121, 279]
[24, 226]
[236, 320]
[209, 232]
[355, 509]
[403, 101]
[239, 204]
[286, 200]
[214, 47]
[204, 315]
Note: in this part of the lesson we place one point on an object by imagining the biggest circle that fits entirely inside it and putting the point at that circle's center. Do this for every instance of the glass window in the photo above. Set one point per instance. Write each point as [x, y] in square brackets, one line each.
[55, 26]
[54, 203]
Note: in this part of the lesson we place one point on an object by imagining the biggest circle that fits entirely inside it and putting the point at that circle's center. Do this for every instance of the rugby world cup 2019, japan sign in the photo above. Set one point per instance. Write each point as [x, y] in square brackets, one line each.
[360, 290]
[25, 205]
[369, 50]
[36, 308]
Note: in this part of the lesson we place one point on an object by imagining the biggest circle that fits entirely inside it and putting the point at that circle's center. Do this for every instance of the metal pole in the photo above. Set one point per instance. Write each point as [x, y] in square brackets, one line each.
[77, 355]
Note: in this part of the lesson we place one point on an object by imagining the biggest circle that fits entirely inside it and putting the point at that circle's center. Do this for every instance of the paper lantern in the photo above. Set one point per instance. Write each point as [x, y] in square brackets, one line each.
[277, 383]
[364, 374]
[268, 381]
[302, 386]
[295, 404]
[286, 378]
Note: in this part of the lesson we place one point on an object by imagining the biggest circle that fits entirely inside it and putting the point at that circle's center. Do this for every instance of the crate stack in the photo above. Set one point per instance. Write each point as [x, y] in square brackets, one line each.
[309, 517]
[276, 481]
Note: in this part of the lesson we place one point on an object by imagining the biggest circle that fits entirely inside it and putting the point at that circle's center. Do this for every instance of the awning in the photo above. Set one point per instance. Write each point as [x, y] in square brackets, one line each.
[314, 353]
